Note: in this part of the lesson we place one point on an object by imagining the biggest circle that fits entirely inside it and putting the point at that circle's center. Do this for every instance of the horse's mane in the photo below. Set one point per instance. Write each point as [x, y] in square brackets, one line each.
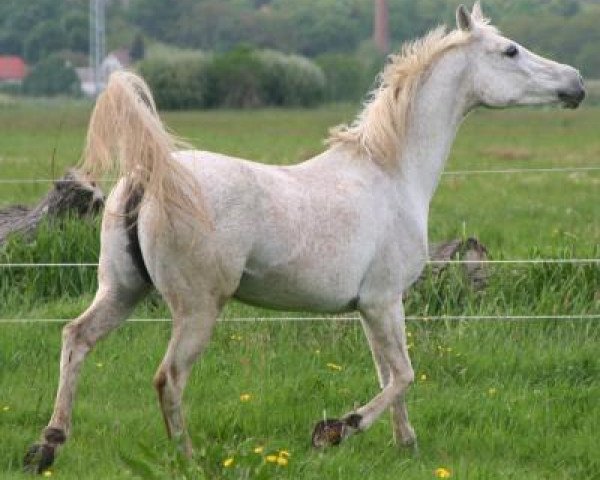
[380, 127]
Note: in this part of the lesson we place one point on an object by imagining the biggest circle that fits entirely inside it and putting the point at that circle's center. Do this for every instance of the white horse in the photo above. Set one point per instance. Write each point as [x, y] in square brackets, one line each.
[346, 230]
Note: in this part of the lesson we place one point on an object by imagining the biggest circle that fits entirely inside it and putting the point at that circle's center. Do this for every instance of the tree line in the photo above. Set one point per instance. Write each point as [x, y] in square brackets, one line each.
[332, 32]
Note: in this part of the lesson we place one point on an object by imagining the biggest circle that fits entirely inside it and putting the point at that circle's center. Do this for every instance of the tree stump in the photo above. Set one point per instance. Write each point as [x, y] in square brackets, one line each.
[470, 250]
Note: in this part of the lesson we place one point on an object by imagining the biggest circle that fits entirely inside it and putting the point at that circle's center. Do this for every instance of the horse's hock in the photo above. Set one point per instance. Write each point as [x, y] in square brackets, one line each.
[73, 194]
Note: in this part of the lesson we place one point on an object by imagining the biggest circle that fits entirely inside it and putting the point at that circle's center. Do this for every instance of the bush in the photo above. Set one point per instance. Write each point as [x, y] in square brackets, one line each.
[291, 80]
[179, 82]
[240, 78]
[346, 77]
[52, 76]
[236, 79]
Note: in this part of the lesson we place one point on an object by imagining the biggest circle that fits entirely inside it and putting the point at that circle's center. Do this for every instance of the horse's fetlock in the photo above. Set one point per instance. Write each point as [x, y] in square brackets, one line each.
[353, 421]
[55, 436]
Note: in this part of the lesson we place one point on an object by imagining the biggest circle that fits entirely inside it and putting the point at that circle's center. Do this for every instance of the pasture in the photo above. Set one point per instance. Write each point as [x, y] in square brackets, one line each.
[493, 399]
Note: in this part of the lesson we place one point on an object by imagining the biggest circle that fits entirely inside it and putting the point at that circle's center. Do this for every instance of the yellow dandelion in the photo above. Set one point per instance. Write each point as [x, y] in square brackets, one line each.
[284, 453]
[271, 458]
[492, 391]
[245, 397]
[228, 462]
[334, 366]
[423, 377]
[442, 473]
[47, 473]
[258, 450]
[282, 461]
[5, 408]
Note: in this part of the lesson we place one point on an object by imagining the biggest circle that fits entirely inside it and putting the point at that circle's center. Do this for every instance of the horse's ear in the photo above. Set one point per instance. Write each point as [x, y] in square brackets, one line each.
[477, 13]
[463, 19]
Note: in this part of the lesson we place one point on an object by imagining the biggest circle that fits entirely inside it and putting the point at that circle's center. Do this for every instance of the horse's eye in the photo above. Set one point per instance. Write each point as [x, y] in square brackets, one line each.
[511, 51]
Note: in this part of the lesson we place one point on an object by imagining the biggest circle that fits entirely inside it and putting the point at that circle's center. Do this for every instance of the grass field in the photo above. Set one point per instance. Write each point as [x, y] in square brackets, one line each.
[492, 400]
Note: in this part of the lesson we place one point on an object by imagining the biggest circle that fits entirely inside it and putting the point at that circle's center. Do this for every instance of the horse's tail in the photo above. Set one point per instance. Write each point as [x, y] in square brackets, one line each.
[127, 137]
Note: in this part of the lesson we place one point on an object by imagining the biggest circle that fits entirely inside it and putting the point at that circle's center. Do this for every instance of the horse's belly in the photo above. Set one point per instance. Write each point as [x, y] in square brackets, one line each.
[321, 293]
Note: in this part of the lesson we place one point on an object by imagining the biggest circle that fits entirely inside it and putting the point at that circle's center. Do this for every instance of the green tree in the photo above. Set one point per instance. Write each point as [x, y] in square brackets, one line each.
[345, 76]
[138, 48]
[46, 38]
[52, 76]
[77, 30]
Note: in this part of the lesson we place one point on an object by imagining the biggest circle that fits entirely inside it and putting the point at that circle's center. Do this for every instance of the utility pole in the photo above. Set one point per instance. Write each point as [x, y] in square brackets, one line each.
[97, 42]
[381, 26]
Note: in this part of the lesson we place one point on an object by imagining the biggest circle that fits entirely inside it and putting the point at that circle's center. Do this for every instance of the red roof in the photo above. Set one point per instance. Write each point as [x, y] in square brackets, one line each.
[12, 68]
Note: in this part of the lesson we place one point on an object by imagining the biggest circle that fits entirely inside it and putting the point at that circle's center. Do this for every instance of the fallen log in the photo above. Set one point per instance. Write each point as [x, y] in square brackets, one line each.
[72, 194]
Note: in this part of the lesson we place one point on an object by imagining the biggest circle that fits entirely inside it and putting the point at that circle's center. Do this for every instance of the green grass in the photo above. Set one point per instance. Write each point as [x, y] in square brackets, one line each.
[501, 400]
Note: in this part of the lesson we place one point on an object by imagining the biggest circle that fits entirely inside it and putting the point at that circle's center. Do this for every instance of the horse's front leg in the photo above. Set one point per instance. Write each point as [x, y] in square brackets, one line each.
[385, 329]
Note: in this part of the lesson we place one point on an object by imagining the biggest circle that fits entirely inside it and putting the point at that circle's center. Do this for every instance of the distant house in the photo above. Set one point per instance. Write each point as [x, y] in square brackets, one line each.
[114, 61]
[86, 80]
[12, 69]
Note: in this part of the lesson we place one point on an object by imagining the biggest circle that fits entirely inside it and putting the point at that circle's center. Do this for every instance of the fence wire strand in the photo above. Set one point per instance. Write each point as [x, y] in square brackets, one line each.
[519, 261]
[507, 171]
[353, 318]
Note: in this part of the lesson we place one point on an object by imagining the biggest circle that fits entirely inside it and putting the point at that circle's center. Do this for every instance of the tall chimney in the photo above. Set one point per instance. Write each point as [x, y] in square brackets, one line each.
[381, 26]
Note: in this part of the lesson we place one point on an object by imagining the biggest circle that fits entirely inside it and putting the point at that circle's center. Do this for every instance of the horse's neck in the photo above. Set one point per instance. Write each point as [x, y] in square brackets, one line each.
[437, 112]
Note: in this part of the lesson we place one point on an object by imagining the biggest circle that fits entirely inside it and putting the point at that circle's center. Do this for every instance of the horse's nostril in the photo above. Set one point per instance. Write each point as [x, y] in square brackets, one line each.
[572, 98]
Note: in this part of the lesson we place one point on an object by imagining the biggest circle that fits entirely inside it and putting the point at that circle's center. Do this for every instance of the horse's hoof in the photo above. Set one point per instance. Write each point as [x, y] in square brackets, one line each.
[38, 458]
[328, 432]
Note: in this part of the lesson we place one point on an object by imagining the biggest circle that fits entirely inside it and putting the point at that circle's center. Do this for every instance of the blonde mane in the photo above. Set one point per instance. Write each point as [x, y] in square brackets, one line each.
[380, 127]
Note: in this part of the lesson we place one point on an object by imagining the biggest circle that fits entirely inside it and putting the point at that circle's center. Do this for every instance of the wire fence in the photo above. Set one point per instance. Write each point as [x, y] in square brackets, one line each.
[353, 318]
[519, 261]
[507, 317]
[508, 171]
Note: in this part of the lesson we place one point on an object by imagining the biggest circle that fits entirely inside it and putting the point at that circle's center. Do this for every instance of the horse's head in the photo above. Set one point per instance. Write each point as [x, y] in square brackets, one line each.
[504, 73]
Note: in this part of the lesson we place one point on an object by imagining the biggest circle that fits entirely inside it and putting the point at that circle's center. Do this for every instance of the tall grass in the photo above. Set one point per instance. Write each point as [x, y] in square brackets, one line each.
[493, 399]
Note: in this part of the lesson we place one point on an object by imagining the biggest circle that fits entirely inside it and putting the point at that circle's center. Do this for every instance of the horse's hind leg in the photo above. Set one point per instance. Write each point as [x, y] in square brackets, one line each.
[121, 287]
[191, 333]
[108, 311]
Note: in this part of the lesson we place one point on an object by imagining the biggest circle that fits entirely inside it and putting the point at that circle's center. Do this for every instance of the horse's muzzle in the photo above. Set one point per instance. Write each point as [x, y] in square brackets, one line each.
[572, 97]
